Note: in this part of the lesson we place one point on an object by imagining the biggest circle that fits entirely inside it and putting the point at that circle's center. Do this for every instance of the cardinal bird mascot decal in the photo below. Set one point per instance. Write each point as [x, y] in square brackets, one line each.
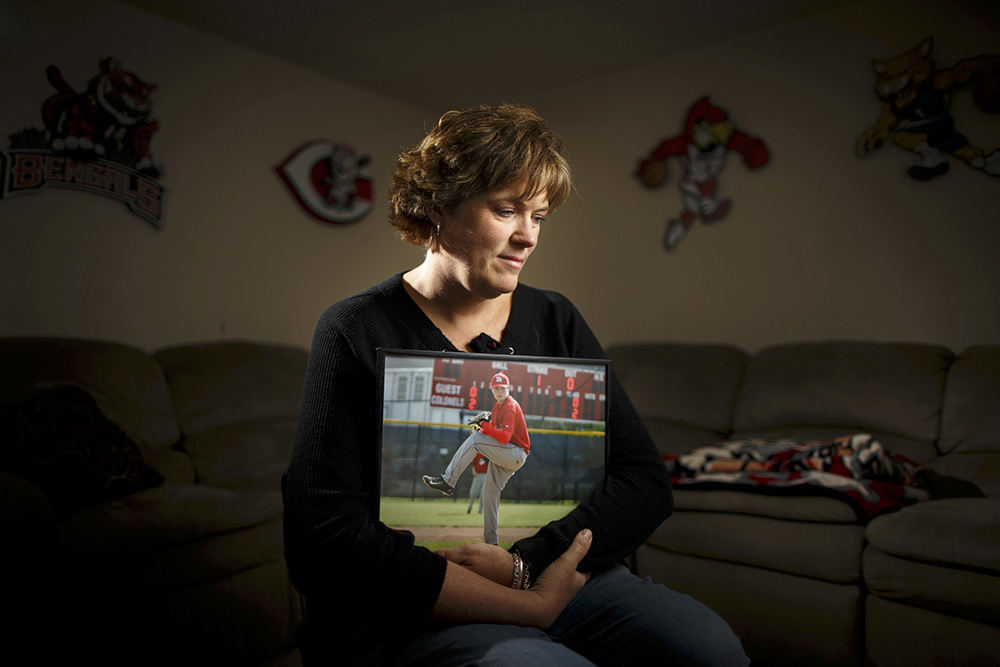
[708, 136]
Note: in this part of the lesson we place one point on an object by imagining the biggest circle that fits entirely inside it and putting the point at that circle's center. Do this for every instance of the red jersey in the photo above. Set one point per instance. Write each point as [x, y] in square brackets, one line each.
[480, 465]
[507, 425]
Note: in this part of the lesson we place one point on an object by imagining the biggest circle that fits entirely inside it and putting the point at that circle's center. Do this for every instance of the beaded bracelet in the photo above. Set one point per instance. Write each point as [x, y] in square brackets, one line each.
[518, 570]
[522, 578]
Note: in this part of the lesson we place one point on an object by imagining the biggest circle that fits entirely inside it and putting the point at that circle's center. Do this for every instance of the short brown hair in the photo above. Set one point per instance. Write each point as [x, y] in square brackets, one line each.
[470, 152]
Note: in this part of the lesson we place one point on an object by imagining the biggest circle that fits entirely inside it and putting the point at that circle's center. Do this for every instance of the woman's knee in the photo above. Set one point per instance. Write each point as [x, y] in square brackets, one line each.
[624, 617]
[488, 644]
[700, 636]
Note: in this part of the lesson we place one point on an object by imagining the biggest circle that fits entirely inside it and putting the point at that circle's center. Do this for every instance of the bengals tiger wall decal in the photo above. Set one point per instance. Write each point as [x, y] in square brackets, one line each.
[95, 140]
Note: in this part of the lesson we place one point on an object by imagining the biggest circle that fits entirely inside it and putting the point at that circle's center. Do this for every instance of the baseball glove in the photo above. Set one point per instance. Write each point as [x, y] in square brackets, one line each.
[480, 418]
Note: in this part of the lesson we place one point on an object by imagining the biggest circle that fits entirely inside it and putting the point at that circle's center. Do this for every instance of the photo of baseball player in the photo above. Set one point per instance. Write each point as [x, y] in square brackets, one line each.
[500, 436]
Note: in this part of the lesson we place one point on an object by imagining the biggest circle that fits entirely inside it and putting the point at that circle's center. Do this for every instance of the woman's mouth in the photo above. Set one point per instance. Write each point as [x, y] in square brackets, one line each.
[513, 260]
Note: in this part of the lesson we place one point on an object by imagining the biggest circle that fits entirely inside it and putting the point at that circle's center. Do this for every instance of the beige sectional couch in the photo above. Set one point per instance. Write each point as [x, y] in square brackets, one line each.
[171, 552]
[179, 558]
[802, 579]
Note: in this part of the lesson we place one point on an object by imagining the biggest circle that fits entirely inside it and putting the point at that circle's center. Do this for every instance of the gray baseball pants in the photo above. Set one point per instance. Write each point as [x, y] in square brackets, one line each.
[505, 460]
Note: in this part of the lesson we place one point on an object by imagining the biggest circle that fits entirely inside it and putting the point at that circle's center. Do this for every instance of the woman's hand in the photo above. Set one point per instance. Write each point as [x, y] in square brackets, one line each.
[487, 560]
[560, 582]
[466, 597]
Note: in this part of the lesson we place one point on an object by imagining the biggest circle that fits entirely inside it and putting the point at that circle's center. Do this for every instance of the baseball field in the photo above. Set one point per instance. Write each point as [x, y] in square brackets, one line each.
[439, 523]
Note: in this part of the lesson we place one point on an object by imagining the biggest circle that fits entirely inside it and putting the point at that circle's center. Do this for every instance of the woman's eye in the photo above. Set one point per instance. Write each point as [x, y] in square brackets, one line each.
[539, 219]
[506, 212]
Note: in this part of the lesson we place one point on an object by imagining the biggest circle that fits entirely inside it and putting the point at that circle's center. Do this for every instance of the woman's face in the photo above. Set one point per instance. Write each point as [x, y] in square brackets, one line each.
[487, 239]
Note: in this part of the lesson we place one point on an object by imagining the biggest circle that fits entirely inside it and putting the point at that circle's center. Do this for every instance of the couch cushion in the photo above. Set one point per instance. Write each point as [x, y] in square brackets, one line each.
[794, 508]
[957, 532]
[685, 393]
[971, 421]
[782, 619]
[210, 558]
[831, 552]
[173, 464]
[246, 618]
[902, 635]
[967, 593]
[185, 571]
[215, 384]
[22, 503]
[242, 456]
[62, 443]
[980, 469]
[127, 383]
[674, 439]
[167, 516]
[895, 388]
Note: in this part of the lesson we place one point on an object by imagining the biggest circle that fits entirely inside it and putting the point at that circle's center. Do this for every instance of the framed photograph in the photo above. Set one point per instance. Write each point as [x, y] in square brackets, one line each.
[482, 447]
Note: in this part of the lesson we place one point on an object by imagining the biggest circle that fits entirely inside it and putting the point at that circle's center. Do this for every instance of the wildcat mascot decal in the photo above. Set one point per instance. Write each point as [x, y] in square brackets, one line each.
[916, 109]
[97, 140]
[709, 134]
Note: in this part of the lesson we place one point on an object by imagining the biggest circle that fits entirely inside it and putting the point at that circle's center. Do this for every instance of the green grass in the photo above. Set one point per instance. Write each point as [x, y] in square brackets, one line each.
[451, 512]
[437, 546]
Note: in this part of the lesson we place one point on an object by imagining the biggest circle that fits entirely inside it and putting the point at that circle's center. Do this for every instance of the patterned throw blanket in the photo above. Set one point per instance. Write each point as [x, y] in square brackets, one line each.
[855, 468]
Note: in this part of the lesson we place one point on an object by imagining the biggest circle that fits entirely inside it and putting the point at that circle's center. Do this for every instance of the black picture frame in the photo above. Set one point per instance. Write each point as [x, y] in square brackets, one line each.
[425, 400]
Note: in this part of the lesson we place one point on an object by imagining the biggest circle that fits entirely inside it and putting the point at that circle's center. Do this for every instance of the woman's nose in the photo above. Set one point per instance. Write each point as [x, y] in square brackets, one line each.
[526, 233]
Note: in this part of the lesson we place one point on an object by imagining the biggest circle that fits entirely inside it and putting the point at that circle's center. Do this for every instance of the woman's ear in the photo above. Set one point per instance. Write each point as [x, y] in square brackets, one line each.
[435, 217]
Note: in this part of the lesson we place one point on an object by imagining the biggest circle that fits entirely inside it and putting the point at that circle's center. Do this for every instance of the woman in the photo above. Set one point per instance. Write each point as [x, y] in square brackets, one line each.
[474, 193]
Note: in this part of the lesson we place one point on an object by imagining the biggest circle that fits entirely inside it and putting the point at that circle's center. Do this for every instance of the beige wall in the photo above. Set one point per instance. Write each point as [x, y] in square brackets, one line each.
[819, 244]
[237, 257]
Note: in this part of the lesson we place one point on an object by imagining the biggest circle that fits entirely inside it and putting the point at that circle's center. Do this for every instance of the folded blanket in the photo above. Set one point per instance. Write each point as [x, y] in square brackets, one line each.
[855, 468]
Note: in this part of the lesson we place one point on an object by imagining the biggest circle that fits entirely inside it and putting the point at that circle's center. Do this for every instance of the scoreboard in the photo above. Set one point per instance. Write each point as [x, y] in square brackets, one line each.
[557, 390]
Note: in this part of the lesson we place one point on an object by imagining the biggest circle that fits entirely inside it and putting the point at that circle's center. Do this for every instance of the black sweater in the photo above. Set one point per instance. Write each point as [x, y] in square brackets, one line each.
[366, 578]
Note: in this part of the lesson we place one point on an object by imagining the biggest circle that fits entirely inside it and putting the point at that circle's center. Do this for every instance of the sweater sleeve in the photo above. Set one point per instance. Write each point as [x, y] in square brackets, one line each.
[636, 495]
[336, 549]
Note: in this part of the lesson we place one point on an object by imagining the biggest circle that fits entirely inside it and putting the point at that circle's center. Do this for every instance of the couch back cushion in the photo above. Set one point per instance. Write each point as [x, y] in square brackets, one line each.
[127, 384]
[237, 404]
[970, 424]
[684, 393]
[215, 384]
[894, 390]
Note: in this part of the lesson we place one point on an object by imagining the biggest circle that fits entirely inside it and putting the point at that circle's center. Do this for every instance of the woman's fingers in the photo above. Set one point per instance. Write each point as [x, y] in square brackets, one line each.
[579, 548]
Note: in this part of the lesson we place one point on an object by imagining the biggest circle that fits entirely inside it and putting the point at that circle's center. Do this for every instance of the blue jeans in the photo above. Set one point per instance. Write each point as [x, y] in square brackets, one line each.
[615, 619]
